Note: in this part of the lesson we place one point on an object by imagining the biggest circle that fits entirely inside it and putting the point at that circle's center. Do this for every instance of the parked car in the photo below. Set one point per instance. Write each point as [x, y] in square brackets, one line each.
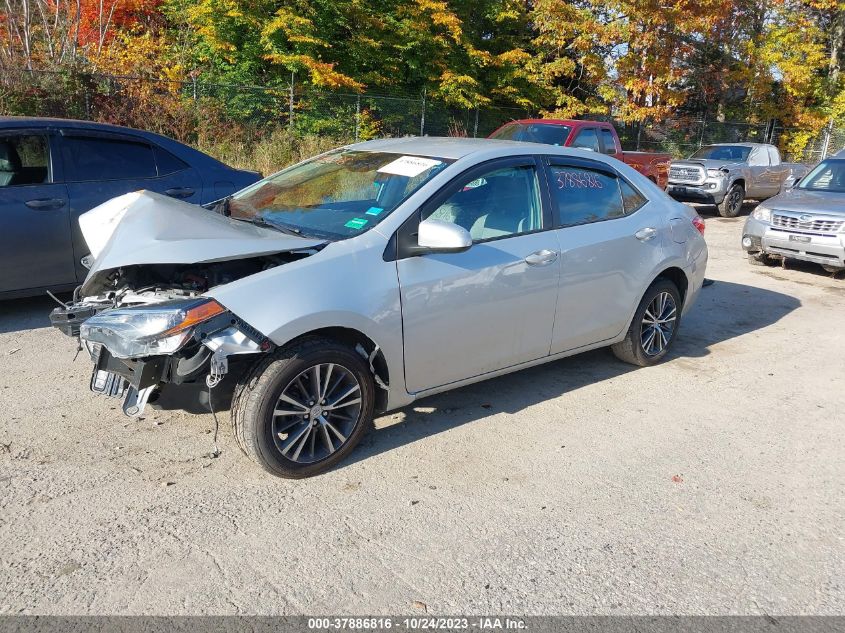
[379, 273]
[806, 222]
[595, 136]
[54, 170]
[727, 174]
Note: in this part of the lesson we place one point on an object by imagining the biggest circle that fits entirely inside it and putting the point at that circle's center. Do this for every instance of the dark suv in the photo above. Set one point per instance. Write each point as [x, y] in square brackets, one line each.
[53, 170]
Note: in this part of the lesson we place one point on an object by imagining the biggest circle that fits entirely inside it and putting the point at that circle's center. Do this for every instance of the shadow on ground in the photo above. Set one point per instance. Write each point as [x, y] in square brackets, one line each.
[724, 311]
[20, 315]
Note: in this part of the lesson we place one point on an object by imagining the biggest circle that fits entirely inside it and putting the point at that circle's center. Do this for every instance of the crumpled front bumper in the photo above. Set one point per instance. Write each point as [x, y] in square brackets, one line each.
[712, 191]
[210, 345]
[761, 237]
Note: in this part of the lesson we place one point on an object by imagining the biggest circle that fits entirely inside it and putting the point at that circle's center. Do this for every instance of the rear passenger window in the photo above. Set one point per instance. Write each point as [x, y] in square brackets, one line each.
[24, 160]
[631, 198]
[583, 195]
[91, 158]
[609, 141]
[167, 162]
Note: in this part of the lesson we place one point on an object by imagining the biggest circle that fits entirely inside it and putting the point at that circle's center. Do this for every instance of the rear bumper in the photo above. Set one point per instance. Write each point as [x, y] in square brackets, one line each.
[695, 193]
[820, 249]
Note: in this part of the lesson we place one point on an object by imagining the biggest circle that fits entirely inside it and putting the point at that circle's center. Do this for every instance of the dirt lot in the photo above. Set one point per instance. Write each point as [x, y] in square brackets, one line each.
[713, 483]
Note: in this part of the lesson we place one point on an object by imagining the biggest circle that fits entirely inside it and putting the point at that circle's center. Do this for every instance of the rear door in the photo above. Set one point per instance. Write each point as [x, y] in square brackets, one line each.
[611, 240]
[35, 241]
[100, 166]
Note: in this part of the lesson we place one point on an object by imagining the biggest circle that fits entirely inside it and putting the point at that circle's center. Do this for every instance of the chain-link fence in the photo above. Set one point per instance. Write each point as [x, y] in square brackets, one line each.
[683, 136]
[188, 109]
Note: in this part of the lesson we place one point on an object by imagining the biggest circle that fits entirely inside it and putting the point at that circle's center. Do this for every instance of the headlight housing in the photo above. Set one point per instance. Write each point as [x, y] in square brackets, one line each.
[716, 173]
[762, 213]
[160, 328]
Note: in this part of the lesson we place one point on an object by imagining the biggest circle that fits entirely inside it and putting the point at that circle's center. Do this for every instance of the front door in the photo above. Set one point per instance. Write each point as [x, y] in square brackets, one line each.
[611, 240]
[492, 306]
[35, 241]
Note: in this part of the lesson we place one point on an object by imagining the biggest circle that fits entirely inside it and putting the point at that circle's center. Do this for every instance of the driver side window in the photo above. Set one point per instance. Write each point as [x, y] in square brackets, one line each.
[500, 203]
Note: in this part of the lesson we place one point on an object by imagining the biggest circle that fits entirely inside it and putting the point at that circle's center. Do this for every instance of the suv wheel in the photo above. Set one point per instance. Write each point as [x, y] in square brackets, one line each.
[654, 326]
[304, 408]
[732, 204]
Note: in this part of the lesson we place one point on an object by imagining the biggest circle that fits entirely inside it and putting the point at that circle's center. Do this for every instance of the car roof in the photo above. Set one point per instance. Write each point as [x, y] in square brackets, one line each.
[183, 151]
[740, 144]
[454, 147]
[39, 122]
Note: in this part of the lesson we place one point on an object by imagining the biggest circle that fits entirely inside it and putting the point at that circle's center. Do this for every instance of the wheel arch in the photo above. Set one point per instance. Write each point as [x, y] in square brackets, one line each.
[678, 277]
[358, 340]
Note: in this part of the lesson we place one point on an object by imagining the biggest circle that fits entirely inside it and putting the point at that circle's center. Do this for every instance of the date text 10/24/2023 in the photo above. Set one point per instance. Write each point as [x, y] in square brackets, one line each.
[421, 623]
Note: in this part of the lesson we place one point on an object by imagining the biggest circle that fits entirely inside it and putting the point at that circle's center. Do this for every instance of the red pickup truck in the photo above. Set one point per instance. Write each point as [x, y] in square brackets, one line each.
[597, 136]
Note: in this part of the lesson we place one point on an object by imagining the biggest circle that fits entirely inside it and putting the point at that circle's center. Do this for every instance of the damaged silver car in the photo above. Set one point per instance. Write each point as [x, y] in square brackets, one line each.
[370, 276]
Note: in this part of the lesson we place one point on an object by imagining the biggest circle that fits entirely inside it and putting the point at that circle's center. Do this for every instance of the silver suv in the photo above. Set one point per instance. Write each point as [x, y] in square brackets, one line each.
[376, 274]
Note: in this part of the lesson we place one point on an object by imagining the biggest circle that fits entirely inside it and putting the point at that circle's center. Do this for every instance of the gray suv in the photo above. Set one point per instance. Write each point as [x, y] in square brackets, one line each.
[371, 276]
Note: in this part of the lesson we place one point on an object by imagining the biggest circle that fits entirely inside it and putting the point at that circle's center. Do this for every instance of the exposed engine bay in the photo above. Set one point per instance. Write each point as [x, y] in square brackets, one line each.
[150, 283]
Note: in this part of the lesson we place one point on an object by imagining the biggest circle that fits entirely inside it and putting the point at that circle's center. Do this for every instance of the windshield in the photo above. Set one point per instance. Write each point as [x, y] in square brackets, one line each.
[730, 153]
[547, 133]
[337, 195]
[829, 175]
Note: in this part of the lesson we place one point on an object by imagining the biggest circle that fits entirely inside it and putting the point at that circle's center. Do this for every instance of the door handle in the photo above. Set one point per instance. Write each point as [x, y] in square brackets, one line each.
[644, 235]
[541, 258]
[45, 203]
[180, 192]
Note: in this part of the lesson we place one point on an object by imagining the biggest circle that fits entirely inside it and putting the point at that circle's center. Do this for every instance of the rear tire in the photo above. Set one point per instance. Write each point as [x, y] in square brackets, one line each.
[654, 326]
[275, 422]
[832, 269]
[732, 203]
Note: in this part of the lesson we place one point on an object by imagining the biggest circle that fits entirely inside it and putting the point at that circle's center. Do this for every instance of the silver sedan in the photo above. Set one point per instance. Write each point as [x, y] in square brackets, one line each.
[373, 275]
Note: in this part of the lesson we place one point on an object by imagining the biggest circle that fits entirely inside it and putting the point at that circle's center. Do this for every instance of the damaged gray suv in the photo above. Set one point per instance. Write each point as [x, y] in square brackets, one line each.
[363, 279]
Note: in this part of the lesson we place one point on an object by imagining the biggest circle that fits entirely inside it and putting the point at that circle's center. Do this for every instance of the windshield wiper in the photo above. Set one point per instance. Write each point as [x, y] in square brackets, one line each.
[283, 228]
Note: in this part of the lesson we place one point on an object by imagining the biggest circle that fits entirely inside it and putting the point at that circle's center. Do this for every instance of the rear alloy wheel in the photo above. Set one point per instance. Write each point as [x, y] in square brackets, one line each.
[832, 269]
[732, 204]
[304, 408]
[654, 327]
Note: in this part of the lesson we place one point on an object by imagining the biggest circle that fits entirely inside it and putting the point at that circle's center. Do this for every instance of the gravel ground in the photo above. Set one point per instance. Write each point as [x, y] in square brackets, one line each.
[712, 483]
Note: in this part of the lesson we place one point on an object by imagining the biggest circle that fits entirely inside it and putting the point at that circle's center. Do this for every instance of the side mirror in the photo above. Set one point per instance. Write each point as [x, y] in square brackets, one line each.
[789, 182]
[438, 236]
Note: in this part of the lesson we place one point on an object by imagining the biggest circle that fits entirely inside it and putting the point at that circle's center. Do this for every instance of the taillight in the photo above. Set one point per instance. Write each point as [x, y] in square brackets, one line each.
[698, 222]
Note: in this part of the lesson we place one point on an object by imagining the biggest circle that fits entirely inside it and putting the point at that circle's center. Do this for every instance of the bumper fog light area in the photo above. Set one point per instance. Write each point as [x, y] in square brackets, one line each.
[746, 242]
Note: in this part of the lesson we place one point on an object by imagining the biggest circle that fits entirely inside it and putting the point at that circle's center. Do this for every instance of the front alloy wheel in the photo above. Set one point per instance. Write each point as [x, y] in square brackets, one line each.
[304, 407]
[316, 413]
[732, 203]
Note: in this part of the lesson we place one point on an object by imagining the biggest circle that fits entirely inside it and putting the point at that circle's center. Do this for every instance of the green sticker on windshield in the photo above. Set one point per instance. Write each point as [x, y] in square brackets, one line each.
[374, 210]
[356, 223]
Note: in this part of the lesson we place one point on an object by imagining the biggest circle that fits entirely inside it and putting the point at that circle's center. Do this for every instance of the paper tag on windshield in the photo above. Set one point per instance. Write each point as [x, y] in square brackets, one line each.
[409, 166]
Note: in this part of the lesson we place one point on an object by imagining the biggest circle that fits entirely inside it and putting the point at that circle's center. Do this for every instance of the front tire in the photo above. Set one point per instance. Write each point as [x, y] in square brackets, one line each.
[732, 203]
[304, 408]
[654, 326]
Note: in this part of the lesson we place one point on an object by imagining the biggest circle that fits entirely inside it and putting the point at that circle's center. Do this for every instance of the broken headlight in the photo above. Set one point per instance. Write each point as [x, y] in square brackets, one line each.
[148, 330]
